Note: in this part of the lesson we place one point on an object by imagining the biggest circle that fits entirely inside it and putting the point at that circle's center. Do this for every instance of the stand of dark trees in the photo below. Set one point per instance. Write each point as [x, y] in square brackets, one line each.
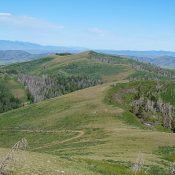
[63, 54]
[7, 100]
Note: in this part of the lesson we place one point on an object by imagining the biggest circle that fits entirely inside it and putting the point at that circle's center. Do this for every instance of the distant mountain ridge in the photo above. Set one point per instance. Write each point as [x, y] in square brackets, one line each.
[165, 59]
[12, 56]
[24, 51]
[18, 51]
[162, 61]
[149, 53]
[36, 48]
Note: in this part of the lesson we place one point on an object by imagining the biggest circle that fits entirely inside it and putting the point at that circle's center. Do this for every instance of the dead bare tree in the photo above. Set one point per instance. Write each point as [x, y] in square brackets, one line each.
[172, 169]
[15, 155]
[138, 165]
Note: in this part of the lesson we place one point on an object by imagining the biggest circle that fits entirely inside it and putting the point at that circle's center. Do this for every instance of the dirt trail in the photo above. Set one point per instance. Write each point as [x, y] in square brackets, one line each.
[80, 134]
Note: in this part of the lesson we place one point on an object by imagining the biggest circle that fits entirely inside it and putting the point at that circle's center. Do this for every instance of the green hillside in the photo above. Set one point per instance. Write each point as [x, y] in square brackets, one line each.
[12, 93]
[68, 65]
[82, 134]
[61, 74]
[89, 63]
[98, 130]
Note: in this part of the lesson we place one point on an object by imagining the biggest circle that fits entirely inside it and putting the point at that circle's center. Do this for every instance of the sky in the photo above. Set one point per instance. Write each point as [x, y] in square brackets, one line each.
[93, 24]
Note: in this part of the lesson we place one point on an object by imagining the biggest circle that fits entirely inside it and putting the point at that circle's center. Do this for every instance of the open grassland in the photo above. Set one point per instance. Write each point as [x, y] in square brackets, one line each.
[87, 136]
[80, 133]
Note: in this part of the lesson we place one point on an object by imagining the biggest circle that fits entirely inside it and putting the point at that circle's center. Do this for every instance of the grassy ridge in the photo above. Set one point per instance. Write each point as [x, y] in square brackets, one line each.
[84, 70]
[58, 75]
[91, 134]
[67, 65]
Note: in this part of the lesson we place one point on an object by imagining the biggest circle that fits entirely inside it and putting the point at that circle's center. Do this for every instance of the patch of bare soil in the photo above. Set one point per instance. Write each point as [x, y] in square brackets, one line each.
[118, 97]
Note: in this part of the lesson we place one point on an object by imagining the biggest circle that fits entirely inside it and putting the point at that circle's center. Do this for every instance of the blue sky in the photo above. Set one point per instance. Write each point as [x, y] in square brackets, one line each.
[100, 24]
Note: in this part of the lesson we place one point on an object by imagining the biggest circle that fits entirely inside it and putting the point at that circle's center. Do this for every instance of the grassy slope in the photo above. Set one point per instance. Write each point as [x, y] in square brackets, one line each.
[105, 137]
[87, 136]
[79, 64]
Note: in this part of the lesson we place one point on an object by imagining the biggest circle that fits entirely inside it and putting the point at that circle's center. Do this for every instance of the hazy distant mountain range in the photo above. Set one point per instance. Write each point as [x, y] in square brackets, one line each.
[12, 56]
[36, 48]
[151, 53]
[164, 59]
[17, 51]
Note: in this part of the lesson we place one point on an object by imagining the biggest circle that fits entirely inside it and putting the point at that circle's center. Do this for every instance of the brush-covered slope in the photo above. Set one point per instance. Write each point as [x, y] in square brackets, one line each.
[152, 102]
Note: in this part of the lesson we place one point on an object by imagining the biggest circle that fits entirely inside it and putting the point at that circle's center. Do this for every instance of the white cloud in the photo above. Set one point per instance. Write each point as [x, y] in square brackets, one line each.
[8, 19]
[5, 14]
[97, 31]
